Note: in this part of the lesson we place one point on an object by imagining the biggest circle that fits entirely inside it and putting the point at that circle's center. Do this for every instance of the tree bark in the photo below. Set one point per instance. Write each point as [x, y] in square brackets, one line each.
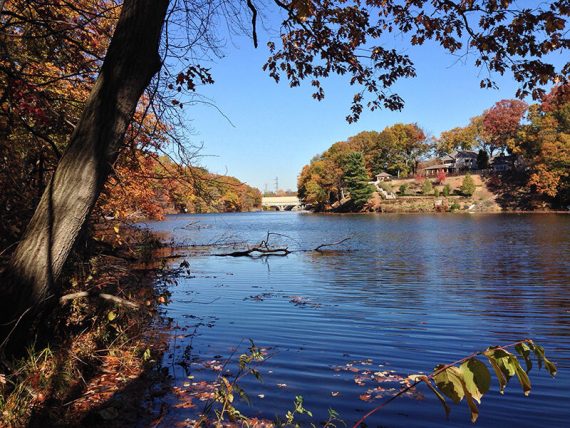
[131, 61]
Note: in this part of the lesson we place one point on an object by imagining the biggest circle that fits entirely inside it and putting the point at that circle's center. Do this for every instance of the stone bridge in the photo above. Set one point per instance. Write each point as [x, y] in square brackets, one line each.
[282, 203]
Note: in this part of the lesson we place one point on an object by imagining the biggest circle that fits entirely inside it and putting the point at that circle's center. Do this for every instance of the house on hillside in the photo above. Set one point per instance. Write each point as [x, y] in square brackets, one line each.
[502, 163]
[456, 162]
[385, 190]
[383, 176]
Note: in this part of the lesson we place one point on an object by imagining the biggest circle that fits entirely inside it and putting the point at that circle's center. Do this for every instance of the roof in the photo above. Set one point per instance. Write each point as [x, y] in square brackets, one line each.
[440, 166]
[383, 174]
[503, 159]
[464, 154]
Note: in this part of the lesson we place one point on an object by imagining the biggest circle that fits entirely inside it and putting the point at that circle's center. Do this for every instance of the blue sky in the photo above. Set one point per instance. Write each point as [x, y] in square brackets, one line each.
[276, 129]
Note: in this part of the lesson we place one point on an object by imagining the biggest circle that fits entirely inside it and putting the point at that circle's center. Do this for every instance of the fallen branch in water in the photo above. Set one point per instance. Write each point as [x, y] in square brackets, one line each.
[331, 244]
[263, 249]
[104, 296]
[260, 251]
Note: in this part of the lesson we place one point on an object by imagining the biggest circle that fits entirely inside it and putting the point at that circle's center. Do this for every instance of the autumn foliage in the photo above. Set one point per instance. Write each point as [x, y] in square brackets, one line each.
[502, 122]
[545, 142]
[151, 186]
[51, 52]
[395, 150]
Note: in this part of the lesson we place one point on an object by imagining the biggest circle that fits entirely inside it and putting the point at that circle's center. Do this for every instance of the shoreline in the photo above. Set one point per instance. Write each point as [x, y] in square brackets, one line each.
[378, 213]
[95, 360]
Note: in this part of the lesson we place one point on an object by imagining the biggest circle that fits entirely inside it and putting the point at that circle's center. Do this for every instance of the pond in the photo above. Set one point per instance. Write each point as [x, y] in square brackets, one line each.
[344, 327]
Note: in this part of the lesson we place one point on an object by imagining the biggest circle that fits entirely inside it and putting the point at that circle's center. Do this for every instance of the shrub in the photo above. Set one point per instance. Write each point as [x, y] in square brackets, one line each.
[436, 192]
[403, 189]
[468, 186]
[386, 186]
[446, 190]
[455, 206]
[427, 188]
[441, 176]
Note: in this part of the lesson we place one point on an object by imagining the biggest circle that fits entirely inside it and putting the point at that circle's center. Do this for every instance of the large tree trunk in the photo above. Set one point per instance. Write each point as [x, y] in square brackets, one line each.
[131, 61]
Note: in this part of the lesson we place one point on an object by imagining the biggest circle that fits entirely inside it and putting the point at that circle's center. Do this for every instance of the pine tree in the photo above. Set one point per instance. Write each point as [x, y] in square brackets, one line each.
[356, 179]
[468, 185]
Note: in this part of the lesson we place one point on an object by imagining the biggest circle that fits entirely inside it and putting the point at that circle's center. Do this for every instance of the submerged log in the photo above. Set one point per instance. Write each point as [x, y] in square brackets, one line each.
[257, 252]
[264, 250]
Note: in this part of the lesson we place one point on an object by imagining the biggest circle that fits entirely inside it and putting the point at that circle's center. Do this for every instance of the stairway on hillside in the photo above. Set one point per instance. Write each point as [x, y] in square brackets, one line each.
[385, 194]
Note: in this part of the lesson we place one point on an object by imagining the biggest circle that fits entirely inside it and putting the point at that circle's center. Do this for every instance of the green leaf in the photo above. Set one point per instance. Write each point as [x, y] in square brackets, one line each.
[476, 377]
[471, 404]
[498, 372]
[550, 367]
[521, 375]
[146, 354]
[501, 360]
[111, 316]
[541, 357]
[437, 394]
[524, 351]
[452, 383]
[449, 382]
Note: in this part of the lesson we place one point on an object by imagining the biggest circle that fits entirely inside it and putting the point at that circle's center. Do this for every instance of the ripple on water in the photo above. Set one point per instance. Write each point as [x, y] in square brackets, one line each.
[414, 291]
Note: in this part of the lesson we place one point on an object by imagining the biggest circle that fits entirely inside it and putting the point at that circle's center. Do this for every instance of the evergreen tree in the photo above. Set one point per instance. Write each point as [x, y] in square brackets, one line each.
[427, 188]
[468, 185]
[356, 179]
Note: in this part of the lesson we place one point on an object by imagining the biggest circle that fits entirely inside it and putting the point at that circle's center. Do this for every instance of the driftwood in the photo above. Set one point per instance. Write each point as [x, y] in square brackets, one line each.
[319, 248]
[258, 252]
[264, 249]
[104, 296]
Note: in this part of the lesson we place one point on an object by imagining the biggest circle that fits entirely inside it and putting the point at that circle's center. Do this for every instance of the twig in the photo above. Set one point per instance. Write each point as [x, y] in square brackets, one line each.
[253, 22]
[429, 377]
[330, 245]
[14, 328]
[263, 251]
[17, 321]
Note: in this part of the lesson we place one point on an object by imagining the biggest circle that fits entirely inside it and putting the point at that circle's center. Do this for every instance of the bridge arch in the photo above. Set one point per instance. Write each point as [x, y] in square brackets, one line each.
[282, 203]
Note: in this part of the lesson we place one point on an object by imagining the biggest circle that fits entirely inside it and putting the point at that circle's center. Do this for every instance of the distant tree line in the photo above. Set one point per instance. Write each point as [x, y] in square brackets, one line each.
[156, 186]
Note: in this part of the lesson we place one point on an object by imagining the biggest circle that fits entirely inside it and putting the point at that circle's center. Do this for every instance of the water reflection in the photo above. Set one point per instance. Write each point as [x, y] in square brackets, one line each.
[412, 291]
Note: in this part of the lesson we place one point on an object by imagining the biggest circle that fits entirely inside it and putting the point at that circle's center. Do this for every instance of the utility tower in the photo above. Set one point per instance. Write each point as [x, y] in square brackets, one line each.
[276, 184]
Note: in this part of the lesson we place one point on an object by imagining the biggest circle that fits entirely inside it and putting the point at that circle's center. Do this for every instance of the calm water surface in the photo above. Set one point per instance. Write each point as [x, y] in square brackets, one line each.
[412, 292]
